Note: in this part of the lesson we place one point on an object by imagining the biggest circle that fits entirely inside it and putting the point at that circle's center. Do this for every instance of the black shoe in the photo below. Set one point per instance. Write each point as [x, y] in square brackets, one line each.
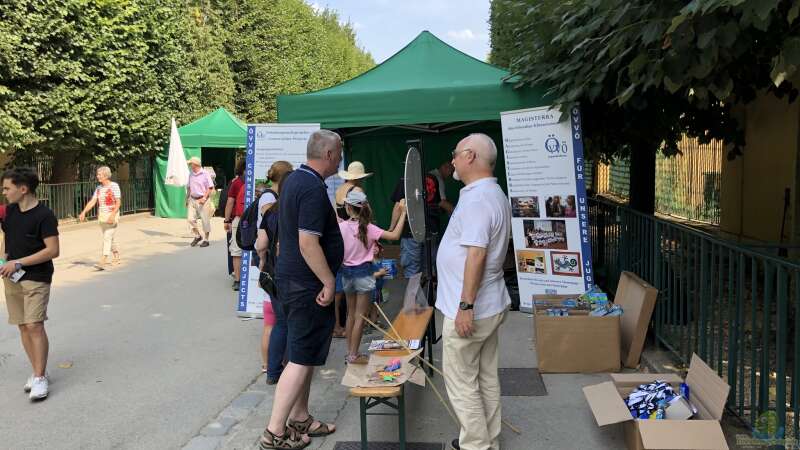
[235, 285]
[454, 445]
[204, 244]
[196, 241]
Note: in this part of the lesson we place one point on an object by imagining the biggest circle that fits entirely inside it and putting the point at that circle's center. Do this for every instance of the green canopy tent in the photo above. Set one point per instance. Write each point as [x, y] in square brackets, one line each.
[427, 90]
[214, 138]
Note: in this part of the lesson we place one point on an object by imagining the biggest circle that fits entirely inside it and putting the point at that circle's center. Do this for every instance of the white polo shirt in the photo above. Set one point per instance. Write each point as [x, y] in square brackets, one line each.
[482, 218]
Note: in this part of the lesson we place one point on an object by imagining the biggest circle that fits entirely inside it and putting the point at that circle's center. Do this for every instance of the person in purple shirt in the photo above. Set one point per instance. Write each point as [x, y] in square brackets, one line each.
[198, 192]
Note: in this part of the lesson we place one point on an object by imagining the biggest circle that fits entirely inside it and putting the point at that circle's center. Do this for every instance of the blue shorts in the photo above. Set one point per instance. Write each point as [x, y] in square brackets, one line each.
[358, 279]
[309, 325]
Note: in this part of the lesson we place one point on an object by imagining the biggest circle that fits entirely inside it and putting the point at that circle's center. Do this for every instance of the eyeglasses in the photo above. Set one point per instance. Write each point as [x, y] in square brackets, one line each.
[456, 152]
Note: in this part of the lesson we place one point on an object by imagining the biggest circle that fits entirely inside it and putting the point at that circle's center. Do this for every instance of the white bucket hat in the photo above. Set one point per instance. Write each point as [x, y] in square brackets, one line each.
[355, 171]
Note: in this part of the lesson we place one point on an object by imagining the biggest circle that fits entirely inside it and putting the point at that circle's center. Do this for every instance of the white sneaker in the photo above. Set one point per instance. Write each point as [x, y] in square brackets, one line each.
[39, 388]
[29, 383]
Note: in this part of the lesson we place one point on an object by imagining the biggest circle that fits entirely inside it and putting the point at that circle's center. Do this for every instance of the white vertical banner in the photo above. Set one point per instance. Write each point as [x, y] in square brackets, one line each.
[546, 187]
[266, 143]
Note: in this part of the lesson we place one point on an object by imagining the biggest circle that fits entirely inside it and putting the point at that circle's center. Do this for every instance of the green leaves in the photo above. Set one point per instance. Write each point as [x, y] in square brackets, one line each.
[647, 72]
[99, 79]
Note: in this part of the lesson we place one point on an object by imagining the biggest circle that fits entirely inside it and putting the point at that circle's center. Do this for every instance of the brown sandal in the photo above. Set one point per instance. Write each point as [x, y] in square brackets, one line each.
[304, 427]
[290, 440]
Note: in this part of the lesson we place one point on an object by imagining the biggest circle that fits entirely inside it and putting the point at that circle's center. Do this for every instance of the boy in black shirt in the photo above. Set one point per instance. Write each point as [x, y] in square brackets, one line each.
[30, 245]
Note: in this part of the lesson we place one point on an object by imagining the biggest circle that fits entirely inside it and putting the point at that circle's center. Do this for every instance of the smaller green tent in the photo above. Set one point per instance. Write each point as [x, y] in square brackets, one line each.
[207, 137]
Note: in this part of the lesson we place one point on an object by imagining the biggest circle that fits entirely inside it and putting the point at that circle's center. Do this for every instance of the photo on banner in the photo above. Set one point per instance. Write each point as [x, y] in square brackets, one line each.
[547, 191]
[266, 143]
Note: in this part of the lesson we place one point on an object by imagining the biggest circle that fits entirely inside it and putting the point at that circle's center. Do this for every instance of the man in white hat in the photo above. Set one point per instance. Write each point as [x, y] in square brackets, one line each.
[198, 191]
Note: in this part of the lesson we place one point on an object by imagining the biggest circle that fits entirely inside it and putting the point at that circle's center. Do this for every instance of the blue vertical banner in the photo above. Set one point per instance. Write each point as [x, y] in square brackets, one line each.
[266, 144]
[249, 196]
[543, 150]
[583, 202]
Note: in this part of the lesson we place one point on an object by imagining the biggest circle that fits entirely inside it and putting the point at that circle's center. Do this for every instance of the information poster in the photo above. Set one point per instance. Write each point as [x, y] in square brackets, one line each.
[266, 144]
[550, 216]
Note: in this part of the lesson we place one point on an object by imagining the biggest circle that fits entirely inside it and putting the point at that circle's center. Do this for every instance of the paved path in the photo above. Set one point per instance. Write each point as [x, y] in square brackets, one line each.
[155, 345]
[559, 420]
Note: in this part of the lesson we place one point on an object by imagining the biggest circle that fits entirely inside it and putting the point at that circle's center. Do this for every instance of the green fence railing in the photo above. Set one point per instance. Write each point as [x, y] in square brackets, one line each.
[68, 199]
[737, 308]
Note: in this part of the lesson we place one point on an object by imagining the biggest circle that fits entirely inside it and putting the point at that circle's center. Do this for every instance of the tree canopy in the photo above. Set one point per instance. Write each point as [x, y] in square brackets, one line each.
[98, 80]
[645, 72]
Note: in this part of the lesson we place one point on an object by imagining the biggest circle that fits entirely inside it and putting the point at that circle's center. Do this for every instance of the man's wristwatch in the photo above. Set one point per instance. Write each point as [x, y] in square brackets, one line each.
[17, 266]
[463, 306]
[227, 221]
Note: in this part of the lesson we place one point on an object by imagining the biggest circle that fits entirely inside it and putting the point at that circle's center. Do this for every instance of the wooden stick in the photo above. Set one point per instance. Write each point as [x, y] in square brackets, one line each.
[402, 341]
[512, 427]
[405, 347]
[420, 358]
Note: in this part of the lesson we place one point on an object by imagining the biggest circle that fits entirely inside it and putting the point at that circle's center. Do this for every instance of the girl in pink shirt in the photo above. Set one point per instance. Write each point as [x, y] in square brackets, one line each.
[360, 237]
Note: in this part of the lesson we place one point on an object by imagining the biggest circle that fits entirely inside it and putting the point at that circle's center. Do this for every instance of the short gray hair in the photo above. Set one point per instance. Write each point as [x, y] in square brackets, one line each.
[486, 148]
[320, 142]
[105, 170]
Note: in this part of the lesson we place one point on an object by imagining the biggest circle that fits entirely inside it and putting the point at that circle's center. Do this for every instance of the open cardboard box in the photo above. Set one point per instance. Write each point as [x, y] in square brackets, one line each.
[707, 392]
[580, 343]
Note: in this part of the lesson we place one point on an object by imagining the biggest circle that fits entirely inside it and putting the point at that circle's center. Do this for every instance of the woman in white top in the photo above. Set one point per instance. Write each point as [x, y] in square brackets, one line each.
[108, 198]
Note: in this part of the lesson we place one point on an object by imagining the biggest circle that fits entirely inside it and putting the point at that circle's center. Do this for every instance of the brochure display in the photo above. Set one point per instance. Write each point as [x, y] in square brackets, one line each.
[550, 216]
[266, 143]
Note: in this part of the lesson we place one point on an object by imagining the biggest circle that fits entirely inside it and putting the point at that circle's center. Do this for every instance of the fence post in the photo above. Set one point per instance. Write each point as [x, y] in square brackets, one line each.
[782, 314]
[657, 277]
[702, 335]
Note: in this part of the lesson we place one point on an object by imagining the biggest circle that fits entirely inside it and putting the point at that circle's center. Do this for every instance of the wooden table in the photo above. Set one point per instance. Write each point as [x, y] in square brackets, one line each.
[409, 326]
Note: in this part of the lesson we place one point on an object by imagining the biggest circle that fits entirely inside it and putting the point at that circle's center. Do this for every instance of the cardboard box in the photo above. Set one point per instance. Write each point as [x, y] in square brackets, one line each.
[577, 343]
[708, 393]
[638, 300]
[580, 343]
[359, 375]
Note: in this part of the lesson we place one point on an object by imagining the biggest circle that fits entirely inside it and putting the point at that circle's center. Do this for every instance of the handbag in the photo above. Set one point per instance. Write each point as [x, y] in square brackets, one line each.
[266, 279]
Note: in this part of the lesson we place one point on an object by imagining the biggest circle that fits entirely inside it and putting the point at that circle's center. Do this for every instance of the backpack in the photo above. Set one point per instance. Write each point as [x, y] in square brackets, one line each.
[266, 278]
[247, 232]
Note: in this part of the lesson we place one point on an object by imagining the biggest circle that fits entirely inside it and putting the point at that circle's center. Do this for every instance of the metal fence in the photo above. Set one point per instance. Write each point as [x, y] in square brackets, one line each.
[68, 199]
[737, 308]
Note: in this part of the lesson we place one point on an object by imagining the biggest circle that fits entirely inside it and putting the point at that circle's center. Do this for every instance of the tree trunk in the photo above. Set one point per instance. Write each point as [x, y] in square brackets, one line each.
[643, 179]
[65, 168]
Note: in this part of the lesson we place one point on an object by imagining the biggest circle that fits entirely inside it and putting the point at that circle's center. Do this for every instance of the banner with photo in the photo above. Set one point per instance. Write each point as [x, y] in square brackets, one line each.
[266, 143]
[550, 215]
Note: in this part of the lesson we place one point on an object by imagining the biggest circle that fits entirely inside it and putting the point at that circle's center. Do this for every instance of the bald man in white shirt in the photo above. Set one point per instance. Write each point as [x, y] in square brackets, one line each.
[472, 294]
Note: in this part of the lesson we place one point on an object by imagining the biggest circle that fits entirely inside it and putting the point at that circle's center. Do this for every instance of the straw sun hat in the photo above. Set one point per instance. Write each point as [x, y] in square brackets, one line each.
[355, 171]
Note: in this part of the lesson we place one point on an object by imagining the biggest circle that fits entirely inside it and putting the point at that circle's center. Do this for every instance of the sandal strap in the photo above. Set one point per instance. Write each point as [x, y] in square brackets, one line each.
[300, 427]
[304, 427]
[289, 440]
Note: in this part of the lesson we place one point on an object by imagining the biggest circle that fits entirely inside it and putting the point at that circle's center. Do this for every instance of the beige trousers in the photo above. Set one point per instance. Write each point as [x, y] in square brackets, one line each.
[473, 385]
[197, 211]
[109, 243]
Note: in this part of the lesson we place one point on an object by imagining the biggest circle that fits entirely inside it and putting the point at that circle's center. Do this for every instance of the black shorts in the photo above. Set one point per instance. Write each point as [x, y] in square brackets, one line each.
[310, 326]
